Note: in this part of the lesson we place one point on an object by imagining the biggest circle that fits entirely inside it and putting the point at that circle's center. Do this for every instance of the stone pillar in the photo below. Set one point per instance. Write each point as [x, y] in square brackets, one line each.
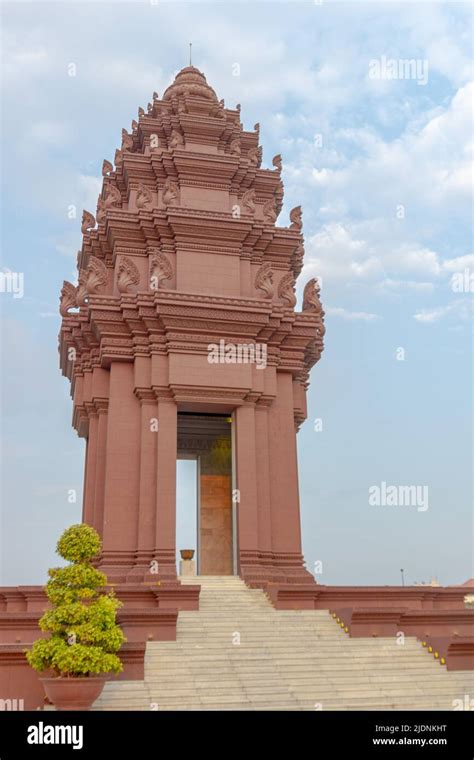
[122, 475]
[246, 287]
[246, 482]
[263, 486]
[285, 511]
[88, 510]
[101, 406]
[147, 499]
[166, 456]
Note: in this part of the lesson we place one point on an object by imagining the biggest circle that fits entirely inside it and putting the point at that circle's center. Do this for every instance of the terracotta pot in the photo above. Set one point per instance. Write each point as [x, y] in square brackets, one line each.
[187, 553]
[73, 693]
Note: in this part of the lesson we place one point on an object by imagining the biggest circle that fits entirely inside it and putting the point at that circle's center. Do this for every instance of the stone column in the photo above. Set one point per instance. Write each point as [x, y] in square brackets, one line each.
[285, 511]
[166, 456]
[246, 482]
[122, 474]
[101, 406]
[246, 286]
[88, 510]
[147, 499]
[263, 486]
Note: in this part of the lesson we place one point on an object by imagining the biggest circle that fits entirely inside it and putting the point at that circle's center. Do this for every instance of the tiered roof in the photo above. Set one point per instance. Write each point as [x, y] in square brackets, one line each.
[188, 177]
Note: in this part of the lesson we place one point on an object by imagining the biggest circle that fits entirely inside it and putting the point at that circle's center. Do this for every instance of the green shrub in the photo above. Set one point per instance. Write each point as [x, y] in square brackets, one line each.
[84, 635]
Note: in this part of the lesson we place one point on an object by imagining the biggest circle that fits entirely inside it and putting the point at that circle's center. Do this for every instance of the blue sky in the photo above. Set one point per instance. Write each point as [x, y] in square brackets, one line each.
[382, 168]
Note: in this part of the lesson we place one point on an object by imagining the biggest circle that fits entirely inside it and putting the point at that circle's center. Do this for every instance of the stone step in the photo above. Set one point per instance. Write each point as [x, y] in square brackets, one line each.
[378, 703]
[329, 676]
[315, 646]
[255, 616]
[308, 636]
[318, 660]
[265, 623]
[265, 626]
[197, 674]
[232, 602]
[286, 660]
[429, 668]
[172, 677]
[253, 656]
[229, 685]
[332, 701]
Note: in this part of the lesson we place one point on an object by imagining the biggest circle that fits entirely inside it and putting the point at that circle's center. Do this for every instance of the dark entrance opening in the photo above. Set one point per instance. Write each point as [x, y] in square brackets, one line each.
[208, 439]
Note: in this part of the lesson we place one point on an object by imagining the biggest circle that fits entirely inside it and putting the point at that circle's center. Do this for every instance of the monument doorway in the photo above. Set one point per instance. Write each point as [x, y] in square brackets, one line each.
[207, 438]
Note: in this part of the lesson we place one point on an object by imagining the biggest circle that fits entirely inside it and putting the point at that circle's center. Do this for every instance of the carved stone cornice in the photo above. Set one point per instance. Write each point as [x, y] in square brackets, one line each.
[145, 395]
[90, 409]
[264, 402]
[163, 393]
[232, 397]
[143, 324]
[101, 405]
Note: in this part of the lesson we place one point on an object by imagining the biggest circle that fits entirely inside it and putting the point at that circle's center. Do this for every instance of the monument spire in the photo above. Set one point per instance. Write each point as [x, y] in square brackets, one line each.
[190, 53]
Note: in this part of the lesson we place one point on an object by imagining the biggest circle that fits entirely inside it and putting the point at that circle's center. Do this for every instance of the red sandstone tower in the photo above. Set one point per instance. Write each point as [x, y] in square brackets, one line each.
[184, 254]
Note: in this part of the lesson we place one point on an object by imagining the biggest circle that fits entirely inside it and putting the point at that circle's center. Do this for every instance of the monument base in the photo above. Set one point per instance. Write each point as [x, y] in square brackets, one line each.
[187, 568]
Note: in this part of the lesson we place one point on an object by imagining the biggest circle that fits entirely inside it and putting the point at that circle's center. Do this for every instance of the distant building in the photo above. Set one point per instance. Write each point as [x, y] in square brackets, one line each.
[433, 582]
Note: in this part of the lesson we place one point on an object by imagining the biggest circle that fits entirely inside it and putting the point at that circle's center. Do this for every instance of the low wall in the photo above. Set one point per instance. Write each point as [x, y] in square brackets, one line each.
[150, 613]
[21, 688]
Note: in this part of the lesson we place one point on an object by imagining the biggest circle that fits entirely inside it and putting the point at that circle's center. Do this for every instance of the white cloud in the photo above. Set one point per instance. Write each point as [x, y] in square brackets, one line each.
[321, 177]
[460, 308]
[338, 311]
[427, 316]
[422, 261]
[384, 204]
[394, 286]
[367, 251]
[459, 263]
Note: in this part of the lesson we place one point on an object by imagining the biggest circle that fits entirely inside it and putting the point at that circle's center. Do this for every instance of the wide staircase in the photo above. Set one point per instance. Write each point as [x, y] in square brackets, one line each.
[239, 653]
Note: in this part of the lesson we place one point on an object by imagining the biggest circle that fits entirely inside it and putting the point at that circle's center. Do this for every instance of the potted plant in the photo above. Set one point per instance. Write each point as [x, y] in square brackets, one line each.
[84, 635]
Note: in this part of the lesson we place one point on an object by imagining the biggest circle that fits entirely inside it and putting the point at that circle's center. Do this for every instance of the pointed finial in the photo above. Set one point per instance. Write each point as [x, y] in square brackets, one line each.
[190, 53]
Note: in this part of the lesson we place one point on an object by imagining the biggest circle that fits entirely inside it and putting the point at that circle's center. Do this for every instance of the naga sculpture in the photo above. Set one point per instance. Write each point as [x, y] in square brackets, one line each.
[96, 275]
[264, 281]
[160, 268]
[248, 201]
[170, 192]
[67, 299]
[286, 290]
[296, 218]
[144, 197]
[127, 275]
[88, 222]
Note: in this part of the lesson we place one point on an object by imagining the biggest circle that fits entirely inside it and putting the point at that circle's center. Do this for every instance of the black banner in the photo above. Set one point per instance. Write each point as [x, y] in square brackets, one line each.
[376, 734]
